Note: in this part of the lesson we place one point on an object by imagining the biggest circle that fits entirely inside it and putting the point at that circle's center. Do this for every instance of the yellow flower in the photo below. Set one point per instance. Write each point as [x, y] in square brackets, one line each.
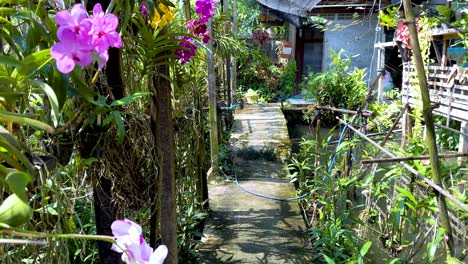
[162, 20]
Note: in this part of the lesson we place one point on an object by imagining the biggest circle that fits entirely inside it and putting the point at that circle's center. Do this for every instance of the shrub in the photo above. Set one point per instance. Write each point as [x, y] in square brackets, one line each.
[338, 86]
[288, 80]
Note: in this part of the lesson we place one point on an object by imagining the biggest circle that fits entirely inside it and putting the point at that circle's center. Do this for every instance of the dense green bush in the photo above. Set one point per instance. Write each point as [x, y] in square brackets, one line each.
[257, 72]
[288, 80]
[273, 81]
[338, 86]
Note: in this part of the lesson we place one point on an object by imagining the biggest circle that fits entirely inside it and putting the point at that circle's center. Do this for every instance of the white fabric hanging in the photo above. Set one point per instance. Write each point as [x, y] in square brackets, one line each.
[294, 7]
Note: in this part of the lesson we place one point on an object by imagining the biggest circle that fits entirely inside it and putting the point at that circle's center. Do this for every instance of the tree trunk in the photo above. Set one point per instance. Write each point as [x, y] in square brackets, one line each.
[428, 119]
[202, 184]
[105, 211]
[212, 104]
[105, 214]
[162, 99]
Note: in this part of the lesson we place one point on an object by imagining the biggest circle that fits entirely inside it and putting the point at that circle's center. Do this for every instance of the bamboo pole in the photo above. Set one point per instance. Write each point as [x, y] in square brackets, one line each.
[451, 129]
[434, 185]
[442, 156]
[429, 121]
[213, 122]
[346, 111]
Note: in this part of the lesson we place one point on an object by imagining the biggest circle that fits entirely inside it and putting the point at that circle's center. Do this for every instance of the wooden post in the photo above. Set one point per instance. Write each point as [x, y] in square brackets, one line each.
[228, 59]
[428, 118]
[463, 144]
[213, 124]
[234, 59]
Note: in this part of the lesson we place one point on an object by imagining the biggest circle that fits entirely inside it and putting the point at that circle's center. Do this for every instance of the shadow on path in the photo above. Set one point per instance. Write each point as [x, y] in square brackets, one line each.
[243, 228]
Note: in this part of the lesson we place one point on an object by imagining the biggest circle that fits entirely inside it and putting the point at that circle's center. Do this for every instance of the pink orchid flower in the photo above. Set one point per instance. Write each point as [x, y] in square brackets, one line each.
[103, 30]
[71, 51]
[131, 243]
[80, 36]
[75, 20]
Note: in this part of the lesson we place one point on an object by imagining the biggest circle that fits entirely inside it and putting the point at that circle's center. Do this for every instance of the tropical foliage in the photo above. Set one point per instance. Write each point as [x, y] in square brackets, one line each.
[339, 86]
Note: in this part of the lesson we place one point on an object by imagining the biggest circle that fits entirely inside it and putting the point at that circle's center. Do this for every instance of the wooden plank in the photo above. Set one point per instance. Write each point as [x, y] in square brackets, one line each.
[439, 94]
[445, 102]
[459, 115]
[463, 143]
[385, 44]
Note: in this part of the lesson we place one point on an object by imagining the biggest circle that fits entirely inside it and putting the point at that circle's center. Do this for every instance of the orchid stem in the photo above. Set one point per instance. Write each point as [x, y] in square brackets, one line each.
[8, 230]
[95, 78]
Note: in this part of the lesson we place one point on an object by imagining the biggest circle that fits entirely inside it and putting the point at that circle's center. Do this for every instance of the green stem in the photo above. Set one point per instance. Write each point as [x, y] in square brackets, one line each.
[8, 230]
[95, 78]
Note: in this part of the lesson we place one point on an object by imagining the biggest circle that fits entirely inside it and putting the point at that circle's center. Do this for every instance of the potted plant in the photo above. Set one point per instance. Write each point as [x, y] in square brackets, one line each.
[251, 96]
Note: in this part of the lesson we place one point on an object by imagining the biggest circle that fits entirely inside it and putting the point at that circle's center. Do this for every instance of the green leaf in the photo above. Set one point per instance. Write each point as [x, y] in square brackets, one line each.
[120, 127]
[365, 248]
[6, 11]
[14, 211]
[129, 99]
[81, 86]
[60, 83]
[33, 63]
[407, 194]
[17, 2]
[451, 260]
[17, 181]
[24, 120]
[432, 246]
[8, 158]
[444, 11]
[52, 98]
[328, 259]
[15, 151]
[10, 61]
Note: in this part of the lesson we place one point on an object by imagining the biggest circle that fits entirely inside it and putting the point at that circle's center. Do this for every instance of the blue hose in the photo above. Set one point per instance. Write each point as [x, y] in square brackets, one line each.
[330, 168]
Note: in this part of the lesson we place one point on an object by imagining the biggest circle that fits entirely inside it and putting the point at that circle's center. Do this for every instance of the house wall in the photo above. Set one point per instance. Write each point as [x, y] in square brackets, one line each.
[356, 41]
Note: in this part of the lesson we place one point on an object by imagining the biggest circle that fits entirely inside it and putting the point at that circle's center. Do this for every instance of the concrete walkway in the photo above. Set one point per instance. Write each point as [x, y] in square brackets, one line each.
[243, 228]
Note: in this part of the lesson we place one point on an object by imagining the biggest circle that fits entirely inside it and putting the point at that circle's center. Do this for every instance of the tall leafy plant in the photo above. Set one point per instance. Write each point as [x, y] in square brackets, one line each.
[339, 86]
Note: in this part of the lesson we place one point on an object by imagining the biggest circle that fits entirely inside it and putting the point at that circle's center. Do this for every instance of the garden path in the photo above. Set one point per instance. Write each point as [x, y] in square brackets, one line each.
[243, 228]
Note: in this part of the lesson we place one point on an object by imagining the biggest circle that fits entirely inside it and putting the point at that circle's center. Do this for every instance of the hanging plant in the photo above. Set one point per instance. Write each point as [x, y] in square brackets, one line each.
[261, 36]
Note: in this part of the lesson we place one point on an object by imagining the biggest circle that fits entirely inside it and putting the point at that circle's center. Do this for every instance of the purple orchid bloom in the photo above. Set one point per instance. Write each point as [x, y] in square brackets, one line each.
[103, 30]
[144, 9]
[75, 20]
[132, 244]
[192, 24]
[198, 29]
[206, 9]
[205, 38]
[188, 50]
[71, 51]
